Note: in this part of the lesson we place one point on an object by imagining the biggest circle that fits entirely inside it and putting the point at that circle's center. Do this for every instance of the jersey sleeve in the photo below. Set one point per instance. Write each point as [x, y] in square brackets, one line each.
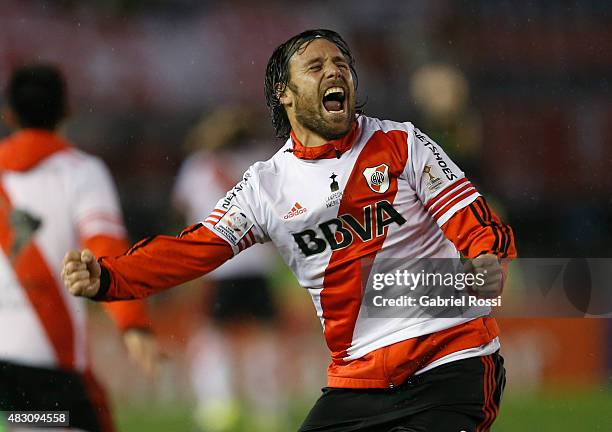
[454, 203]
[477, 230]
[238, 218]
[96, 204]
[439, 183]
[161, 262]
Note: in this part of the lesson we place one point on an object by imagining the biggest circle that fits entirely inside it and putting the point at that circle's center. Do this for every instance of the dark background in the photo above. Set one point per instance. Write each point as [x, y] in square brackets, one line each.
[141, 73]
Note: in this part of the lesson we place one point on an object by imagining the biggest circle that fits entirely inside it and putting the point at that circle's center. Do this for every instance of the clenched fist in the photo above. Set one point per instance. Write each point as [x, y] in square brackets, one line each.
[491, 268]
[81, 273]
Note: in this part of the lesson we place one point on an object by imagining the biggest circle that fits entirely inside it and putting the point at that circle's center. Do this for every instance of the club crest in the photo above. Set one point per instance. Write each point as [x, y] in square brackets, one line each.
[377, 178]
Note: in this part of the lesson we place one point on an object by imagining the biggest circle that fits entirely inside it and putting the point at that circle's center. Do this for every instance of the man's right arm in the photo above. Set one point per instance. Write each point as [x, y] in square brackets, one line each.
[150, 266]
[161, 262]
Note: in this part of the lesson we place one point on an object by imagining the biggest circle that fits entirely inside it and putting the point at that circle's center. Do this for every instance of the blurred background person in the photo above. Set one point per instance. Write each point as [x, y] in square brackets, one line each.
[235, 360]
[44, 362]
[441, 95]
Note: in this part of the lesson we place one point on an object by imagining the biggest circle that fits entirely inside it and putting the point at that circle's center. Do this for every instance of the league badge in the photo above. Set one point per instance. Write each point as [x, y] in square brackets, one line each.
[233, 225]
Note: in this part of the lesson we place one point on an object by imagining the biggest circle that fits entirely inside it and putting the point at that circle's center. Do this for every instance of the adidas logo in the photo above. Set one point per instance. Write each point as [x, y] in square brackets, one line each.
[296, 210]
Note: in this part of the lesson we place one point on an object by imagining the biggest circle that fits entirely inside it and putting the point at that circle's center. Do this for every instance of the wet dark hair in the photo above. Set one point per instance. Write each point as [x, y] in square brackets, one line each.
[37, 95]
[277, 73]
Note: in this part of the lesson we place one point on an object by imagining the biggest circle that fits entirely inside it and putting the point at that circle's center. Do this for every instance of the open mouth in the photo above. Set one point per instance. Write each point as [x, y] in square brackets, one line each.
[333, 99]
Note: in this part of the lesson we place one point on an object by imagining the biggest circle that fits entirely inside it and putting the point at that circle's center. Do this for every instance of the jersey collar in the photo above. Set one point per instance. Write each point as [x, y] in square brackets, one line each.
[27, 147]
[329, 150]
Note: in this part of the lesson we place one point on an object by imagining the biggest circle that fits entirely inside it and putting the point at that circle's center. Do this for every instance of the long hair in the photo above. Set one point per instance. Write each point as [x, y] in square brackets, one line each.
[277, 73]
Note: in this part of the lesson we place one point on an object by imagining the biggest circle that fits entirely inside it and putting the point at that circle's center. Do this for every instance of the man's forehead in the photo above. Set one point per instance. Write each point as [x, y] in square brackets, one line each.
[312, 49]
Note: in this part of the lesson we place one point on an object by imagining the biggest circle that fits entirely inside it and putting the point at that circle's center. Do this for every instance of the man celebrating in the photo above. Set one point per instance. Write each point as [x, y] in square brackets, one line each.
[343, 195]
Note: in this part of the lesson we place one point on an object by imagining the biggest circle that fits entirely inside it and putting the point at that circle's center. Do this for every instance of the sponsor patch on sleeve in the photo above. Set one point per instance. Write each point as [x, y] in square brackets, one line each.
[234, 225]
[432, 178]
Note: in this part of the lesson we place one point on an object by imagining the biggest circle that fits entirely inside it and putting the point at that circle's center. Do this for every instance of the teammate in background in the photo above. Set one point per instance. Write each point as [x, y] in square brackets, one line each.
[346, 196]
[441, 94]
[234, 357]
[53, 197]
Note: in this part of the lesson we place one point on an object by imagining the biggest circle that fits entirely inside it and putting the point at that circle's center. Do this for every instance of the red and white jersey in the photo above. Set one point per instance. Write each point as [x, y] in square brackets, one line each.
[53, 198]
[201, 180]
[384, 191]
[385, 197]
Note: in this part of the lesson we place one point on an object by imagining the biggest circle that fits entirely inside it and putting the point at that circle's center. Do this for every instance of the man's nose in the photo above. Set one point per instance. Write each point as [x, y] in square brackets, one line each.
[332, 71]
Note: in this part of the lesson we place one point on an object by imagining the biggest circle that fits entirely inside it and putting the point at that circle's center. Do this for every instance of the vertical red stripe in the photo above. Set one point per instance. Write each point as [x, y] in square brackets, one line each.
[491, 403]
[494, 378]
[489, 406]
[342, 285]
[41, 288]
[98, 399]
[485, 393]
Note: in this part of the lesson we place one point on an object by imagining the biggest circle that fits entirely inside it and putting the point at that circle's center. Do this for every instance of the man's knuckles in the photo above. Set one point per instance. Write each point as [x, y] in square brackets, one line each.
[76, 288]
[78, 275]
[486, 264]
[91, 290]
[72, 256]
[485, 261]
[74, 266]
[83, 288]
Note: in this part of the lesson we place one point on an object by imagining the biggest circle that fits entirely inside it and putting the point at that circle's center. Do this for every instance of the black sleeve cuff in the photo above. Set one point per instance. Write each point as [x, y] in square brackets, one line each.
[104, 284]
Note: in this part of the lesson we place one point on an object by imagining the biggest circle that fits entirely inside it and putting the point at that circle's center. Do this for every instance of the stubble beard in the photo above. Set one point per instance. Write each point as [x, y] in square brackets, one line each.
[309, 114]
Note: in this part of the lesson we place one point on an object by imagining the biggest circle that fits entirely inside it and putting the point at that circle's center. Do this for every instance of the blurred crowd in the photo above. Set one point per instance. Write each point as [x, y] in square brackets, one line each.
[534, 105]
[518, 93]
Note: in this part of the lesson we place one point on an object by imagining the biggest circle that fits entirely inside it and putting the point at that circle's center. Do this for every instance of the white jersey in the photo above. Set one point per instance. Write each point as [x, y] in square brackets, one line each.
[45, 210]
[202, 179]
[385, 197]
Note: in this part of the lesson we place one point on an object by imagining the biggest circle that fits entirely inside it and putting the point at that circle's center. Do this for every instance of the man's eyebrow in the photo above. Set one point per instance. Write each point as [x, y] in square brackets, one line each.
[335, 59]
[339, 58]
[314, 60]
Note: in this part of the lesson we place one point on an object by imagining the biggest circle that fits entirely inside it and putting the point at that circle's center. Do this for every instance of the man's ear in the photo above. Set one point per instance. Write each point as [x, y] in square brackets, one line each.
[284, 94]
[9, 118]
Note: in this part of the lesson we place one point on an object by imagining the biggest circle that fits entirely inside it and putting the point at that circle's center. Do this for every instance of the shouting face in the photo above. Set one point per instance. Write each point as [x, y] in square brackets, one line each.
[320, 94]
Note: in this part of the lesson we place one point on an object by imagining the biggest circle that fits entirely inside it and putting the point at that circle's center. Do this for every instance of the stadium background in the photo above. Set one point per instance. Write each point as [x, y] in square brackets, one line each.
[530, 121]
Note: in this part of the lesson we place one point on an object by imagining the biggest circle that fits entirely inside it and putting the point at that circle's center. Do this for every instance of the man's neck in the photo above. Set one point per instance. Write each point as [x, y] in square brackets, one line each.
[306, 137]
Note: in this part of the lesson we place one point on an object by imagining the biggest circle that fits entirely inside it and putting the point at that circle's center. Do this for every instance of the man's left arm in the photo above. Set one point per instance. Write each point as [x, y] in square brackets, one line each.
[480, 235]
[460, 211]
